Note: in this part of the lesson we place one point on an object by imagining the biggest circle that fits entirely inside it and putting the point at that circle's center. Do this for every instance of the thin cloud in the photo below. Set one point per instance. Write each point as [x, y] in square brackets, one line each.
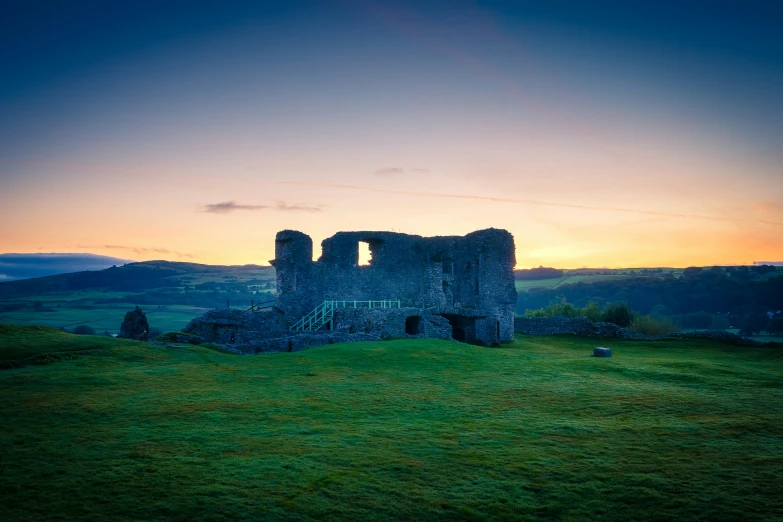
[285, 207]
[525, 202]
[139, 250]
[226, 207]
[394, 171]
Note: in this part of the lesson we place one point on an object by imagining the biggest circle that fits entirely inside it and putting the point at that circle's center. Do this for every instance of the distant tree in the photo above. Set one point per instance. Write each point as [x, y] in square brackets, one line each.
[83, 329]
[753, 323]
[620, 314]
[135, 325]
[155, 332]
[763, 269]
[538, 273]
[692, 272]
[660, 310]
[652, 325]
[557, 308]
[698, 320]
[592, 311]
[719, 322]
[775, 325]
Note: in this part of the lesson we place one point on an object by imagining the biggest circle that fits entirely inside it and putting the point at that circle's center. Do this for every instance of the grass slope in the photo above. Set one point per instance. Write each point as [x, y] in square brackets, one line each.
[416, 429]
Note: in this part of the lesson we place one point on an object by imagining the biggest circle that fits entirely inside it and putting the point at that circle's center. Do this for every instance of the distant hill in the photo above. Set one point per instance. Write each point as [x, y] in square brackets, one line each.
[137, 277]
[14, 267]
[170, 293]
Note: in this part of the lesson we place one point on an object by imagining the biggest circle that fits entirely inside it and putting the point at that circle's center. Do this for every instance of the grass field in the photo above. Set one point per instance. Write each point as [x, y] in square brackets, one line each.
[105, 317]
[523, 286]
[417, 429]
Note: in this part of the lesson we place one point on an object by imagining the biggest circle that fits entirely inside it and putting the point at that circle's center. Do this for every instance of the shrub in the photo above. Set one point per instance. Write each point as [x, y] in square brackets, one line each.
[619, 314]
[775, 325]
[592, 311]
[651, 325]
[83, 329]
[556, 308]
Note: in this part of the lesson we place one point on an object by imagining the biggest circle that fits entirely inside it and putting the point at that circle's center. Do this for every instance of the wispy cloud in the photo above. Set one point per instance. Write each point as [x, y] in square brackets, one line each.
[139, 250]
[226, 207]
[393, 171]
[285, 207]
[526, 202]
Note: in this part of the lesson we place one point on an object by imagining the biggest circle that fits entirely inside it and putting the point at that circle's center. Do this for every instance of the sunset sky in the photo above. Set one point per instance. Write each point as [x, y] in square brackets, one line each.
[597, 133]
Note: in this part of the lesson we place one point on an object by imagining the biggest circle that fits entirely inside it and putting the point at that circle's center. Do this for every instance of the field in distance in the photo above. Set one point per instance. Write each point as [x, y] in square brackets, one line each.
[170, 293]
[413, 429]
[596, 275]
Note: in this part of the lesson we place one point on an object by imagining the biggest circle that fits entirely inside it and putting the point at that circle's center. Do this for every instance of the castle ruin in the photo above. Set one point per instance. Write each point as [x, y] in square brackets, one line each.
[447, 287]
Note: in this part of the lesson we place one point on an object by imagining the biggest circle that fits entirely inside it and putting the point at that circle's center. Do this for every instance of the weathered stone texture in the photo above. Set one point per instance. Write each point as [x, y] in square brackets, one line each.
[452, 287]
[238, 327]
[393, 323]
[468, 280]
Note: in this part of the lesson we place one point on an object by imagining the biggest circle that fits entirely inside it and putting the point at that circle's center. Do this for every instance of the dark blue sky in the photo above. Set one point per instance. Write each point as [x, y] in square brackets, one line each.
[42, 42]
[671, 108]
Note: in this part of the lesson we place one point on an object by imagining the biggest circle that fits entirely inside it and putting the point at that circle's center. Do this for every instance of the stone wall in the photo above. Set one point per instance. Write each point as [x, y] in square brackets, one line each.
[239, 327]
[468, 280]
[585, 327]
[395, 322]
[245, 332]
[449, 287]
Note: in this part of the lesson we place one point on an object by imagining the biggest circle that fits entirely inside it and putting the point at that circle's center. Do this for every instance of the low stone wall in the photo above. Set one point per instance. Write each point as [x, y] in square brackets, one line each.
[239, 327]
[571, 326]
[391, 322]
[553, 325]
[298, 342]
[585, 327]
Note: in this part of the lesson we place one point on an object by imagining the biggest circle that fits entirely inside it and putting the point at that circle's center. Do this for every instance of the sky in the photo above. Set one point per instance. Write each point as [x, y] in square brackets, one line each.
[601, 134]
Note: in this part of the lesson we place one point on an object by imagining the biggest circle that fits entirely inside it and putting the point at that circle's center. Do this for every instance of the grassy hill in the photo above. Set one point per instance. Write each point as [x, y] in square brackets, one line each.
[170, 293]
[419, 429]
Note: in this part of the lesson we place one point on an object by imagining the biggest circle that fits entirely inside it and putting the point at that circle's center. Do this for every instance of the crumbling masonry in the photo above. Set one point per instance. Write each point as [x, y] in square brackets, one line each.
[449, 287]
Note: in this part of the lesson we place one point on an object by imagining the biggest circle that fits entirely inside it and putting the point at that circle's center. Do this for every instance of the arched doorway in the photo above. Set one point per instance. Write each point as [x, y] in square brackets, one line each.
[413, 325]
[458, 334]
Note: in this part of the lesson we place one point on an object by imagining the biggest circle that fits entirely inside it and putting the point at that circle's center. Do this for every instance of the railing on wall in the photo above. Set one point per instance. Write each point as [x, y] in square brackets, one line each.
[324, 312]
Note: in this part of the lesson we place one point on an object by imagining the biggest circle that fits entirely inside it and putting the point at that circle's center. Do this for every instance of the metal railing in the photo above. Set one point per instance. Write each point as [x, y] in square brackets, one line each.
[257, 307]
[324, 312]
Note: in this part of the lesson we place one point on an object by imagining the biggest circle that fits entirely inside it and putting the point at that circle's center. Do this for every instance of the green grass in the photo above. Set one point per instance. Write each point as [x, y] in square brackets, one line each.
[104, 317]
[413, 429]
[524, 286]
[21, 345]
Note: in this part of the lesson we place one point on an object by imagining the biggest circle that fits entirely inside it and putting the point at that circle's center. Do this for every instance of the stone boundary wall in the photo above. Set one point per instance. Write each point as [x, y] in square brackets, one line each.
[585, 327]
[243, 332]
